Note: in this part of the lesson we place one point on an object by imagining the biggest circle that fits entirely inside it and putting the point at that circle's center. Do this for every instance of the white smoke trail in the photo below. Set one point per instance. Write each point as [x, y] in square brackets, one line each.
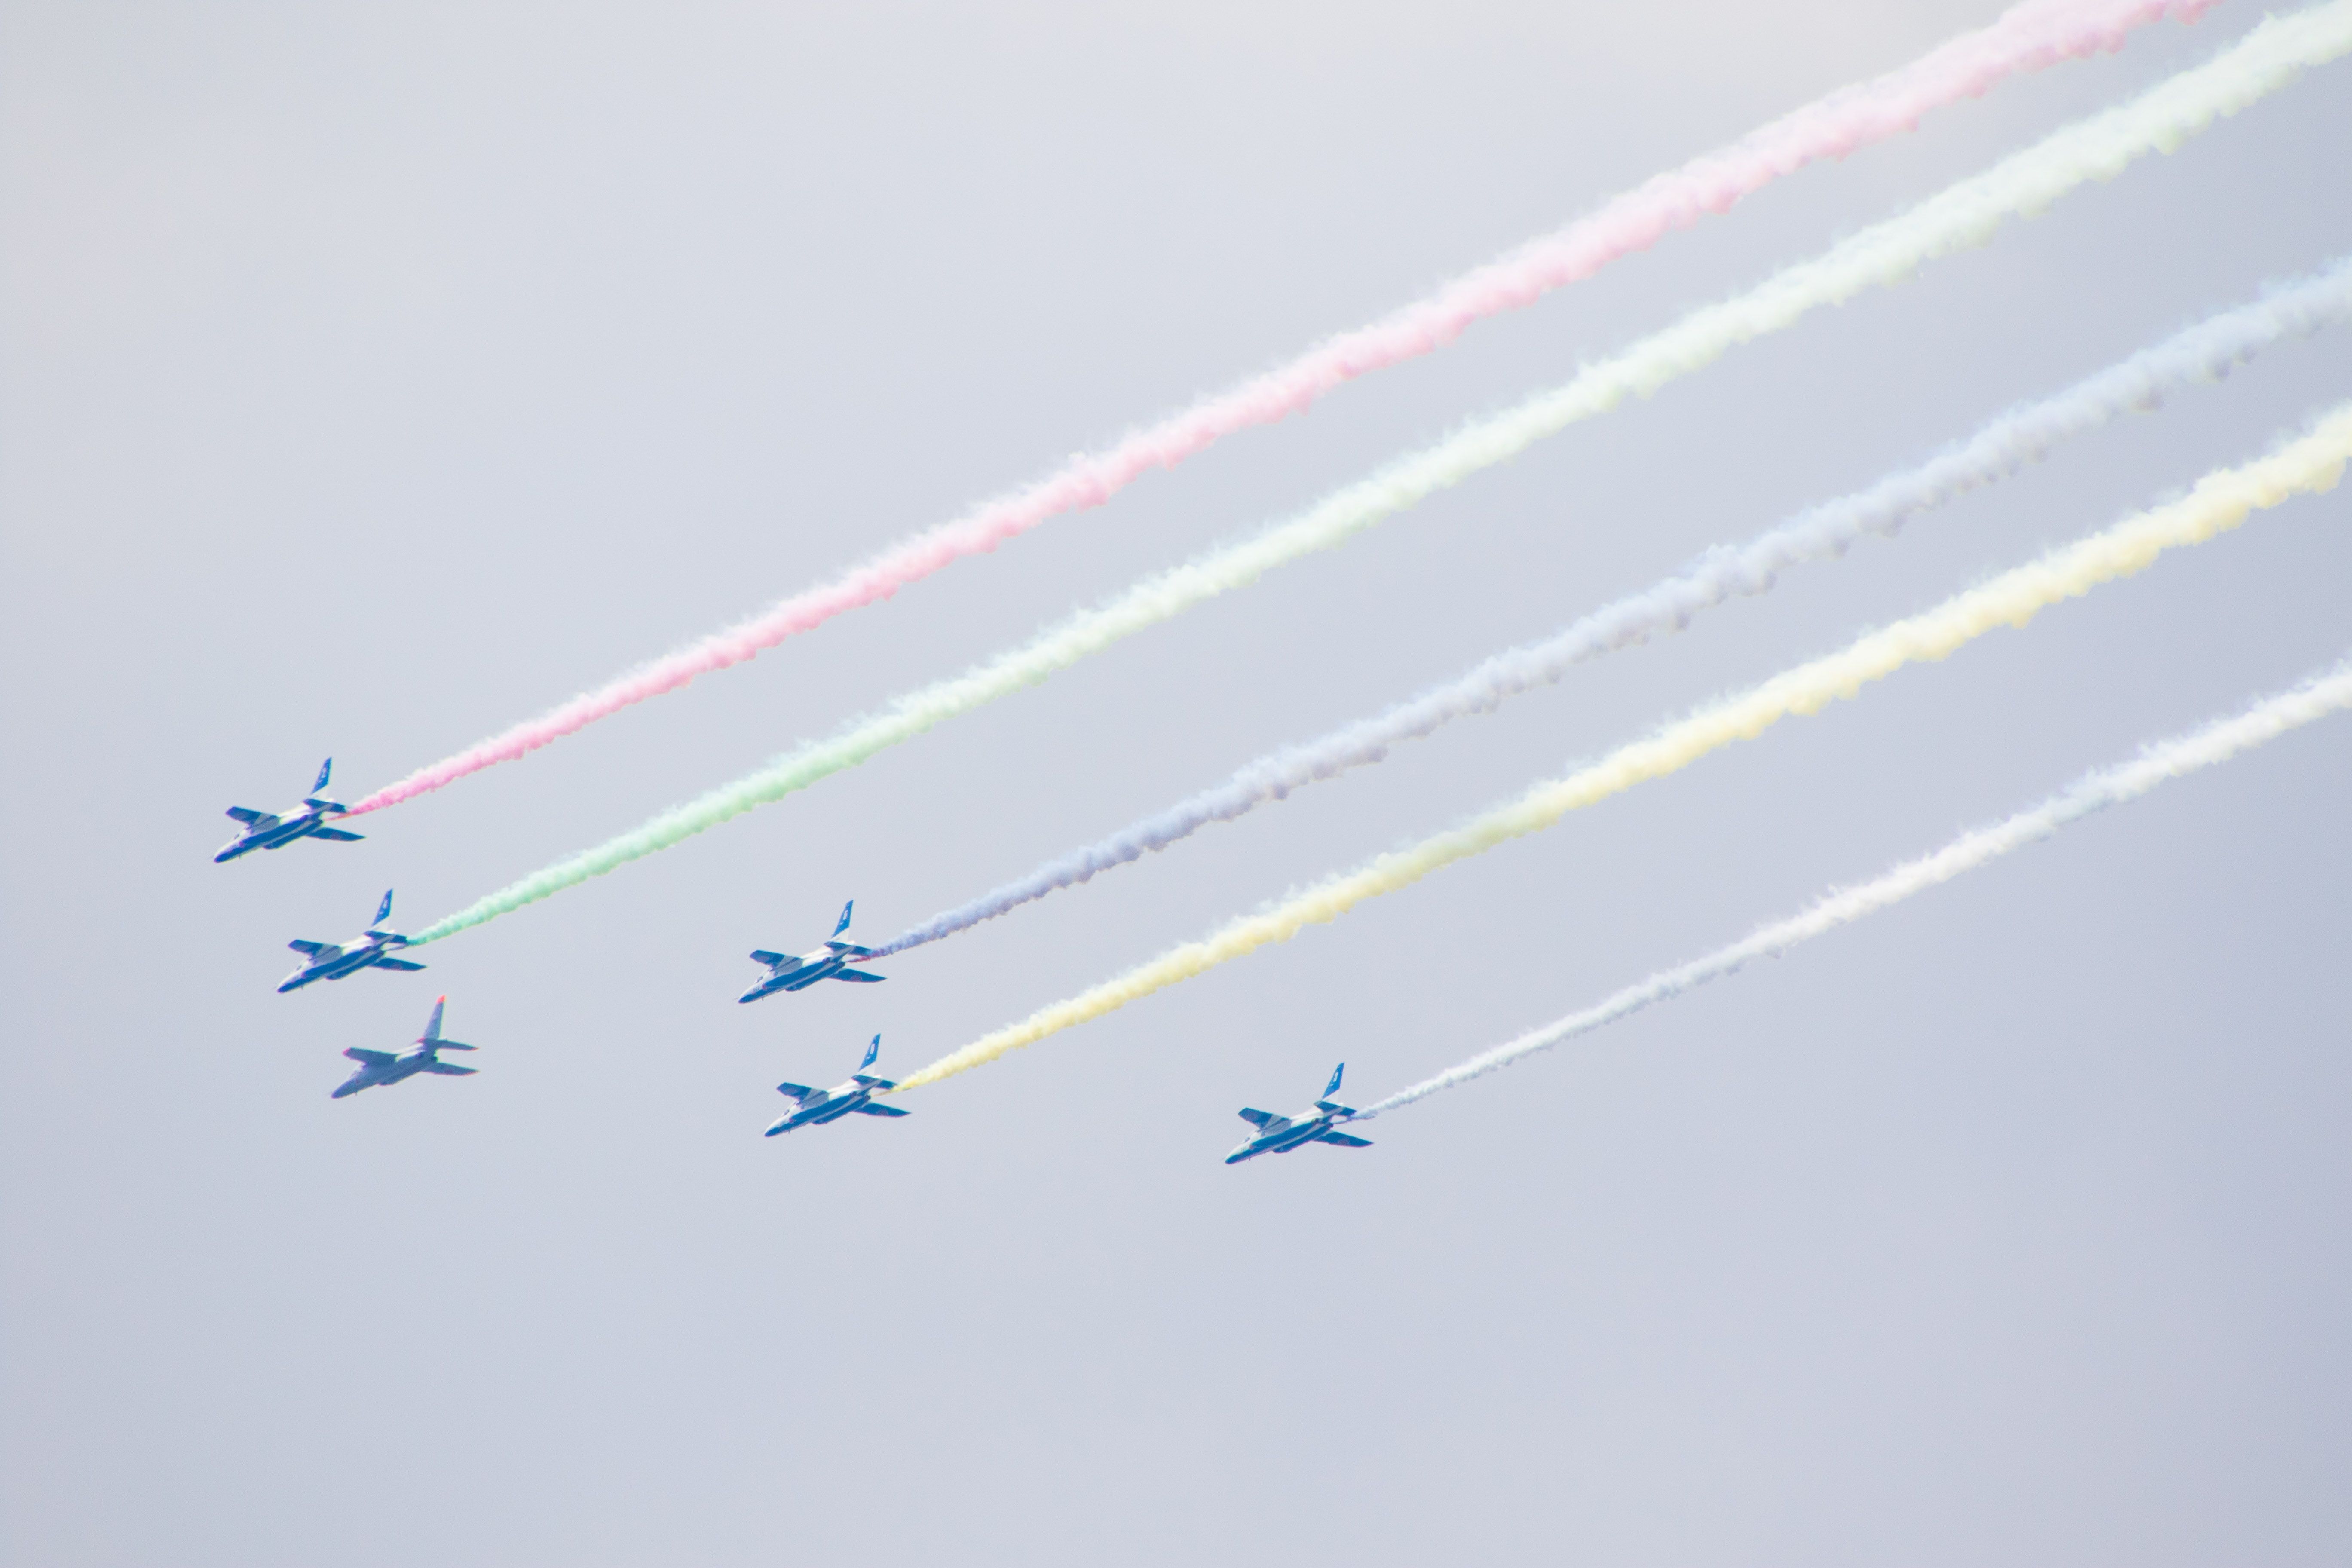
[2217, 742]
[2200, 352]
[2218, 503]
[2267, 58]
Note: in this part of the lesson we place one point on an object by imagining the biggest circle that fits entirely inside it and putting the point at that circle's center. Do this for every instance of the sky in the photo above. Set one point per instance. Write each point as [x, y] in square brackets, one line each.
[376, 376]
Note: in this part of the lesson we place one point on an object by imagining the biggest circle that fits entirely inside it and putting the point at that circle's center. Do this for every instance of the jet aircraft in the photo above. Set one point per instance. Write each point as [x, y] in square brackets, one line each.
[1281, 1134]
[264, 831]
[794, 971]
[326, 961]
[391, 1067]
[819, 1106]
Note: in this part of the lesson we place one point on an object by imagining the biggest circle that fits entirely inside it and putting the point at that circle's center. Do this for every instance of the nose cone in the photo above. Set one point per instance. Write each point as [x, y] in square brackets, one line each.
[1238, 1155]
[783, 1126]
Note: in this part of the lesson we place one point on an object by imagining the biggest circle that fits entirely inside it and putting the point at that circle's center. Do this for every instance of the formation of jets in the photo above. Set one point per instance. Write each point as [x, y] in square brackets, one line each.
[378, 948]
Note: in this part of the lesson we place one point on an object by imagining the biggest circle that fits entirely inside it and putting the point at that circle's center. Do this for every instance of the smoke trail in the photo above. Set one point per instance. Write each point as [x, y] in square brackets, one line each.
[2266, 59]
[2217, 742]
[2026, 38]
[2220, 501]
[2208, 350]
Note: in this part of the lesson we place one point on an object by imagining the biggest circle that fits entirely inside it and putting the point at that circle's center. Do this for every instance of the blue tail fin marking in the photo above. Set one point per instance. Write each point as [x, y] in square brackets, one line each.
[842, 923]
[384, 909]
[871, 1052]
[1328, 1089]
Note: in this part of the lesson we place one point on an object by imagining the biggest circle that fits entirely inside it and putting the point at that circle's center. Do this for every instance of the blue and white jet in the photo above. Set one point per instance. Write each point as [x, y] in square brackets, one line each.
[371, 949]
[263, 830]
[816, 1107]
[391, 1067]
[1281, 1134]
[796, 971]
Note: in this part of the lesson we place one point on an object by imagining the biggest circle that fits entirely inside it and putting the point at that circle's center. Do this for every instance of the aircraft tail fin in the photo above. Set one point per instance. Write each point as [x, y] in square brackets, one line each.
[432, 1035]
[842, 923]
[1328, 1089]
[383, 910]
[871, 1052]
[326, 771]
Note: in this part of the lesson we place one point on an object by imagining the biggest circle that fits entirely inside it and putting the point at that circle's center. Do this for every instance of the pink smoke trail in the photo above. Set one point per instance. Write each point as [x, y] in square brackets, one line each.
[2026, 38]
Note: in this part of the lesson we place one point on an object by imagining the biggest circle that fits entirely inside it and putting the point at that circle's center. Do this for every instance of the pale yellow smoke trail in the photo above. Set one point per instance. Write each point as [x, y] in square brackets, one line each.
[2220, 502]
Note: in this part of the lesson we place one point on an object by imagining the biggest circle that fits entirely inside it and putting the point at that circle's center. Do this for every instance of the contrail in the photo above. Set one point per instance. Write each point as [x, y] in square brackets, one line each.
[2203, 352]
[2219, 502]
[2026, 38]
[2266, 59]
[2217, 742]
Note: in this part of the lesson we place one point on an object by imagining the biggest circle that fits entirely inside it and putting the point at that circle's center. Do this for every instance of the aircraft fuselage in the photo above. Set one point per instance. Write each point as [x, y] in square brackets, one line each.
[366, 954]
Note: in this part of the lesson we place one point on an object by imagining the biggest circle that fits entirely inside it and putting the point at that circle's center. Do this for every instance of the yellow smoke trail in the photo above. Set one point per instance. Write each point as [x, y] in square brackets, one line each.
[2221, 501]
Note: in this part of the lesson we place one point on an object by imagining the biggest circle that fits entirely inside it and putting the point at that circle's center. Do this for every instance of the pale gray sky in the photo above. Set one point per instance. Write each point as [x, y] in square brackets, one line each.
[374, 377]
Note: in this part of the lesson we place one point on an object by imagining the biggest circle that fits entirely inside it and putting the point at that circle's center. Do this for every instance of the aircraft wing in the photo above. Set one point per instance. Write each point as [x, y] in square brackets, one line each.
[1265, 1119]
[858, 974]
[315, 948]
[251, 817]
[800, 1091]
[451, 1068]
[397, 963]
[337, 834]
[870, 1108]
[770, 959]
[372, 1059]
[1345, 1140]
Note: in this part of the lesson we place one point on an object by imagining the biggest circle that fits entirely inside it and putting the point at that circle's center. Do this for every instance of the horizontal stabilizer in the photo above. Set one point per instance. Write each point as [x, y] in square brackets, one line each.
[337, 834]
[1257, 1117]
[869, 1082]
[398, 963]
[372, 1058]
[850, 948]
[1333, 1108]
[770, 959]
[870, 1108]
[247, 814]
[313, 948]
[454, 1045]
[794, 1090]
[1345, 1140]
[860, 975]
[449, 1070]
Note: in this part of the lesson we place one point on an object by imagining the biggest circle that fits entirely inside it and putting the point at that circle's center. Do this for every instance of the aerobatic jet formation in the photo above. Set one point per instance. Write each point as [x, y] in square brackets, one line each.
[265, 830]
[392, 1066]
[371, 949]
[1281, 1134]
[818, 1106]
[797, 972]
